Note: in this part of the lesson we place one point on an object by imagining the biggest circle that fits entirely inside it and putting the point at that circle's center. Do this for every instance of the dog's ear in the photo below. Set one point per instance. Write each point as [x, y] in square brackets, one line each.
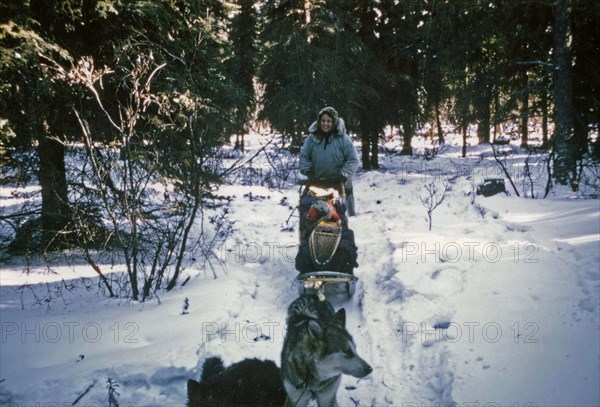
[314, 329]
[340, 317]
[211, 368]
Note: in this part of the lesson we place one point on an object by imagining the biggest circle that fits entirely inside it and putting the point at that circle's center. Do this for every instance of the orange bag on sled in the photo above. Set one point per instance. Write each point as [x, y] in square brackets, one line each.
[321, 209]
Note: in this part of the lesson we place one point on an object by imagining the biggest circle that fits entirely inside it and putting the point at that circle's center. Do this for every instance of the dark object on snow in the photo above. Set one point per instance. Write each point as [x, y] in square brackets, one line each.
[491, 186]
[251, 382]
[502, 141]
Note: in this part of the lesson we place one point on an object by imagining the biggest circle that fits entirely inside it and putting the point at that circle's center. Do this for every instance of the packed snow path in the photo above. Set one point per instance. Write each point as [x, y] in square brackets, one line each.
[496, 305]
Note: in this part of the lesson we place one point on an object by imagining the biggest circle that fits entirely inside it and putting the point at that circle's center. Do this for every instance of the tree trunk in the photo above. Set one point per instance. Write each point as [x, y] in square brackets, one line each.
[544, 103]
[483, 128]
[438, 122]
[464, 140]
[409, 131]
[525, 111]
[497, 126]
[596, 147]
[483, 131]
[565, 167]
[239, 142]
[53, 182]
[365, 150]
[374, 150]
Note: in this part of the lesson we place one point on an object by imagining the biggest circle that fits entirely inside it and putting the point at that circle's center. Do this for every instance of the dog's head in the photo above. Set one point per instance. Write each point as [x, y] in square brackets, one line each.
[317, 336]
[337, 351]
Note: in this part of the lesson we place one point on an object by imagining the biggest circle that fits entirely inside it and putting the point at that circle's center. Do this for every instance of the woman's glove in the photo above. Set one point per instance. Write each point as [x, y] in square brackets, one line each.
[310, 175]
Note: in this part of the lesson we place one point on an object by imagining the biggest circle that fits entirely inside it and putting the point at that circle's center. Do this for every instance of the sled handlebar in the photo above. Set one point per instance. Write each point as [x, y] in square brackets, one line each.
[338, 184]
[322, 181]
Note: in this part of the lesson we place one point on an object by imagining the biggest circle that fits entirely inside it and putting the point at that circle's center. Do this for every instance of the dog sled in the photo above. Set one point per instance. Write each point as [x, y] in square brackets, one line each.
[327, 252]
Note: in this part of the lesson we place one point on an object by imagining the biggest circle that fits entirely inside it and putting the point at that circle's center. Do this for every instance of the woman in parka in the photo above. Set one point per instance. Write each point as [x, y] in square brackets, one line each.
[328, 158]
[328, 155]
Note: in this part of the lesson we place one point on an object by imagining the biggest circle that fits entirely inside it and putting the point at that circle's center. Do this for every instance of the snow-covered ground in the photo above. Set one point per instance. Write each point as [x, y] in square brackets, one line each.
[497, 305]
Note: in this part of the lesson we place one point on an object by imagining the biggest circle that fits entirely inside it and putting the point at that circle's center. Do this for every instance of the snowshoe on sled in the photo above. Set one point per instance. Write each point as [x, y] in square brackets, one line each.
[327, 253]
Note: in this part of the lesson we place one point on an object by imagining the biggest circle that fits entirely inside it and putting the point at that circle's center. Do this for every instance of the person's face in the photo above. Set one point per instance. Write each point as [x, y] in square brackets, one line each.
[326, 123]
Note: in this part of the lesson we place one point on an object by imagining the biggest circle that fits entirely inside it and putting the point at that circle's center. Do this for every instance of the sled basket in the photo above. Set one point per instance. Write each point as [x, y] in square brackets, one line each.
[324, 241]
[326, 284]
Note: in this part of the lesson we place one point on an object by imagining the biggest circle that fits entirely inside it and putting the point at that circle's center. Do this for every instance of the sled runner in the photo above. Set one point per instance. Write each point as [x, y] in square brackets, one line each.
[327, 253]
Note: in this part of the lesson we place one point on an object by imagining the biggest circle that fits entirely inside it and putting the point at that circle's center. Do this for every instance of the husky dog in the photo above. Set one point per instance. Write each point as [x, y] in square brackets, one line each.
[251, 382]
[316, 351]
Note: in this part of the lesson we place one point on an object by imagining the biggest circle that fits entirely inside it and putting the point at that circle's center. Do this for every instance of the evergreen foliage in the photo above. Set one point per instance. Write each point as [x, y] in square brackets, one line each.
[380, 63]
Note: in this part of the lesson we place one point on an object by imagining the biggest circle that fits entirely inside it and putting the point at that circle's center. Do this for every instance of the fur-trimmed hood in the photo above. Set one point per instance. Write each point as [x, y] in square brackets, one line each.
[314, 127]
[329, 159]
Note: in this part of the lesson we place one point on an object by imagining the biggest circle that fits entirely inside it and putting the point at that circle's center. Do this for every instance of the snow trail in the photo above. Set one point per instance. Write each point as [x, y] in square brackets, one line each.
[497, 305]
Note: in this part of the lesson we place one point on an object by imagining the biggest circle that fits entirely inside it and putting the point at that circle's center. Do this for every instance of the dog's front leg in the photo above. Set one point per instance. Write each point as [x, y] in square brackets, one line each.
[327, 396]
[296, 397]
